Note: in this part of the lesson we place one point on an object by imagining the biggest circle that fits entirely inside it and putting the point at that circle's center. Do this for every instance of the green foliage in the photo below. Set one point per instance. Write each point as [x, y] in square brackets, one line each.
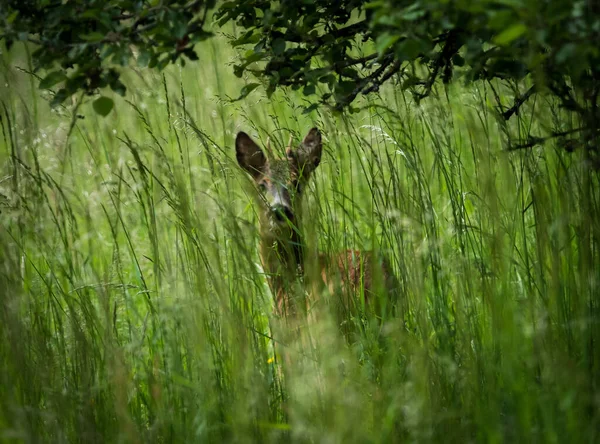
[413, 43]
[491, 39]
[333, 51]
[82, 45]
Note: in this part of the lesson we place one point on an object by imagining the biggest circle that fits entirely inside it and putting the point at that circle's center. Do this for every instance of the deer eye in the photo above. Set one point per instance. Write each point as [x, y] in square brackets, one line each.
[262, 187]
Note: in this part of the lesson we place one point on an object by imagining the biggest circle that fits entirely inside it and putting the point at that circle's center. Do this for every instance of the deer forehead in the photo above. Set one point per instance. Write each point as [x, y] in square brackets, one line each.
[280, 172]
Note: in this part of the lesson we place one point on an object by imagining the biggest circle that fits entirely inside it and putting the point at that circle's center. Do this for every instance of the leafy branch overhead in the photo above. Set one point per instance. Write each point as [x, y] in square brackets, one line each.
[337, 50]
[322, 42]
[332, 50]
[81, 45]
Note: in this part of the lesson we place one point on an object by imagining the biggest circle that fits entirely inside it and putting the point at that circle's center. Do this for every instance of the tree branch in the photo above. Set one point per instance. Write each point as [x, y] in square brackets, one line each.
[443, 59]
[534, 140]
[346, 32]
[373, 79]
[518, 103]
[375, 86]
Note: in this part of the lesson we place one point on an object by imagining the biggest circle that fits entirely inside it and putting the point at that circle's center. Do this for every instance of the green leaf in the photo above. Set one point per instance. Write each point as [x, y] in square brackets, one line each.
[253, 56]
[510, 34]
[413, 12]
[247, 90]
[103, 105]
[374, 5]
[52, 79]
[59, 97]
[343, 89]
[179, 29]
[92, 37]
[310, 108]
[308, 90]
[329, 79]
[410, 49]
[384, 41]
[144, 58]
[11, 18]
[278, 46]
[248, 37]
[91, 14]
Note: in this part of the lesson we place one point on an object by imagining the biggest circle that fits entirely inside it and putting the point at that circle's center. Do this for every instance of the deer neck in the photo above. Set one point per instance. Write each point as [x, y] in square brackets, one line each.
[282, 251]
[282, 256]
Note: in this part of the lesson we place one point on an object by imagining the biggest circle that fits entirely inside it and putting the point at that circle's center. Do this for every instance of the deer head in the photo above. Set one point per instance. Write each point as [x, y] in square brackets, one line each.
[280, 182]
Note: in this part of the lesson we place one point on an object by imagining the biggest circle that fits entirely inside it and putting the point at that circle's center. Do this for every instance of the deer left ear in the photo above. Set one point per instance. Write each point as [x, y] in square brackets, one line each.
[249, 155]
[308, 154]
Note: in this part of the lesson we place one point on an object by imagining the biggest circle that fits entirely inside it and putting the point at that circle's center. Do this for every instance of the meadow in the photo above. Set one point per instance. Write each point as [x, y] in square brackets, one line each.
[134, 308]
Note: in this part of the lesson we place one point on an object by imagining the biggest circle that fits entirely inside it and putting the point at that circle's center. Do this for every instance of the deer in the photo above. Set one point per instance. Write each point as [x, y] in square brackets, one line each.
[280, 185]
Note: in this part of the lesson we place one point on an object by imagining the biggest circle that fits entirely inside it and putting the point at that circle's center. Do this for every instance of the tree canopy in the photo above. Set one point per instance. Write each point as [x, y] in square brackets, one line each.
[333, 50]
[416, 43]
[79, 45]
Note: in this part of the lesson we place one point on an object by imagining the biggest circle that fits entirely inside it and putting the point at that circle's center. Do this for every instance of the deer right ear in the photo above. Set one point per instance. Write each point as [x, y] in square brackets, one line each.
[249, 155]
[308, 154]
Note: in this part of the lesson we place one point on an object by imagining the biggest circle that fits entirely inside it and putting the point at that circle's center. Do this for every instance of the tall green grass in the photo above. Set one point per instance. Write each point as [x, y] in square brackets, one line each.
[134, 309]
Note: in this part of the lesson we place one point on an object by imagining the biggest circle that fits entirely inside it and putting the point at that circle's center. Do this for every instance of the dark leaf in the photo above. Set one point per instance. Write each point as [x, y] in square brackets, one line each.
[458, 60]
[247, 90]
[310, 108]
[191, 54]
[52, 79]
[309, 90]
[278, 46]
[144, 58]
[103, 105]
[59, 97]
[248, 37]
[238, 70]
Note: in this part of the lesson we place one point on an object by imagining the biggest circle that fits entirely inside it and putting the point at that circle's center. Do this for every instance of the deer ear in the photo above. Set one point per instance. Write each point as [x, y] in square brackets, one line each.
[249, 155]
[308, 154]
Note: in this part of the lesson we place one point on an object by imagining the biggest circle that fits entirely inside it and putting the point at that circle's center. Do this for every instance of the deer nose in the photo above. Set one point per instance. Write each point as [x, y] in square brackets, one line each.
[282, 213]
